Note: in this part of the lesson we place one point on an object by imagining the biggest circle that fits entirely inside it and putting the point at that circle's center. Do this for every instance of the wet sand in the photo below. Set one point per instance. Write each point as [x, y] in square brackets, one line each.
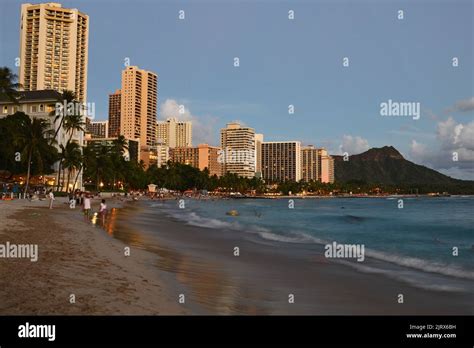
[170, 259]
[261, 278]
[75, 257]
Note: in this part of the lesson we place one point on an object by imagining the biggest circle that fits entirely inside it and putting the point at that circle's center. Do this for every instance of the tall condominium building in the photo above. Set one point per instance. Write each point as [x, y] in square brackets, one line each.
[53, 49]
[97, 129]
[209, 158]
[281, 161]
[326, 166]
[138, 101]
[174, 133]
[238, 150]
[316, 164]
[310, 163]
[114, 113]
[185, 155]
[163, 154]
[258, 155]
[201, 157]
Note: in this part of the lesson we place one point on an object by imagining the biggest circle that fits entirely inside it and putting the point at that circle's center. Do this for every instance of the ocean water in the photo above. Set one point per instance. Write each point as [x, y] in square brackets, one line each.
[414, 244]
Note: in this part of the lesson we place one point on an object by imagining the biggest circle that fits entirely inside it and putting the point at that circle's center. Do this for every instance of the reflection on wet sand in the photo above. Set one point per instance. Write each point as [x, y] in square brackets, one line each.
[208, 283]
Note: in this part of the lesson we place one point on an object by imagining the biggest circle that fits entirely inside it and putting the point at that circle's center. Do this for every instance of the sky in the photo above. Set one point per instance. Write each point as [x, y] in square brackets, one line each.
[295, 62]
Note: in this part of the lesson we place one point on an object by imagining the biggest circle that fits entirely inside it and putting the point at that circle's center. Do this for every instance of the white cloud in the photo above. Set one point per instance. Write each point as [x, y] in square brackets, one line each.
[417, 149]
[456, 135]
[456, 141]
[203, 126]
[353, 145]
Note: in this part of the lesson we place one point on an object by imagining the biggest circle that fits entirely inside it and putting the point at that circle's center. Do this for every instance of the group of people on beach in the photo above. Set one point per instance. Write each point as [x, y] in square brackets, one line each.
[83, 199]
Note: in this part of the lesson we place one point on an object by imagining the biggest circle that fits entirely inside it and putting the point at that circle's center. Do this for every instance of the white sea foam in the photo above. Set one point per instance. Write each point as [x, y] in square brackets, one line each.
[294, 238]
[423, 265]
[194, 219]
[410, 277]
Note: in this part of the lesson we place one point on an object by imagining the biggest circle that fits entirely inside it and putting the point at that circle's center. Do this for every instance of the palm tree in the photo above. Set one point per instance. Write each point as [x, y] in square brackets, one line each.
[71, 158]
[66, 97]
[98, 164]
[71, 120]
[86, 154]
[33, 137]
[8, 86]
[117, 151]
[120, 145]
[73, 123]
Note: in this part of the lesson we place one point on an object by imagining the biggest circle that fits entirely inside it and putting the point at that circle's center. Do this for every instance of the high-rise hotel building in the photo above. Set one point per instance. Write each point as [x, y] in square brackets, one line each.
[97, 129]
[258, 155]
[203, 156]
[238, 150]
[138, 105]
[326, 166]
[281, 161]
[310, 163]
[53, 49]
[174, 133]
[316, 165]
[162, 154]
[114, 113]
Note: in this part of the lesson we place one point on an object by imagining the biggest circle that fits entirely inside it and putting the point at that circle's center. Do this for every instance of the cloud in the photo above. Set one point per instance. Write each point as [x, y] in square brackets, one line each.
[353, 145]
[203, 126]
[417, 149]
[456, 135]
[455, 153]
[464, 105]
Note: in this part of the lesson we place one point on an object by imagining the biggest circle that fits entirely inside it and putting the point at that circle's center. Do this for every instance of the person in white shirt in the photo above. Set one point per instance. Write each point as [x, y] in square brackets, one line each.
[51, 199]
[103, 211]
[87, 207]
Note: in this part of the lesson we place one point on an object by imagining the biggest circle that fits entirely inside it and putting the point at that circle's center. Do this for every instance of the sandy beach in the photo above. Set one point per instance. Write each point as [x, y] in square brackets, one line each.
[170, 258]
[78, 258]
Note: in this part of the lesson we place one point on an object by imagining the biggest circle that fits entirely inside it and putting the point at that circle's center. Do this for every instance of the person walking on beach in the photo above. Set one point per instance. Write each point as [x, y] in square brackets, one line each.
[51, 199]
[103, 211]
[87, 207]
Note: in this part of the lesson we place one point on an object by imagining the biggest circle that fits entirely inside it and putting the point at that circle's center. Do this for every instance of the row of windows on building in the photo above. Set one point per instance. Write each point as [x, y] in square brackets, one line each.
[27, 108]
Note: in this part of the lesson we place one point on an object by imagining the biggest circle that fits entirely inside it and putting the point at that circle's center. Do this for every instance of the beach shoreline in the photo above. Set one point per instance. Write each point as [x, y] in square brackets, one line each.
[75, 258]
[171, 260]
[268, 272]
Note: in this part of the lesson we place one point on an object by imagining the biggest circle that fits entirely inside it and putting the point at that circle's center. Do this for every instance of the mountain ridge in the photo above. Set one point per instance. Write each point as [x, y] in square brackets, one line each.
[387, 166]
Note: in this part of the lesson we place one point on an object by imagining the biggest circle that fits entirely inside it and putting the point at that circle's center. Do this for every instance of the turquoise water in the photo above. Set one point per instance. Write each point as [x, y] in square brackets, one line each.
[420, 236]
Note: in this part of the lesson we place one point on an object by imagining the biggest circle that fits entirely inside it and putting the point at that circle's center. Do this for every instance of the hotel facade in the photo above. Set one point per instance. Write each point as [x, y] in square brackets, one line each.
[174, 133]
[327, 166]
[310, 163]
[97, 129]
[203, 156]
[114, 113]
[316, 165]
[163, 154]
[238, 150]
[138, 105]
[281, 161]
[53, 58]
[54, 49]
[258, 155]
